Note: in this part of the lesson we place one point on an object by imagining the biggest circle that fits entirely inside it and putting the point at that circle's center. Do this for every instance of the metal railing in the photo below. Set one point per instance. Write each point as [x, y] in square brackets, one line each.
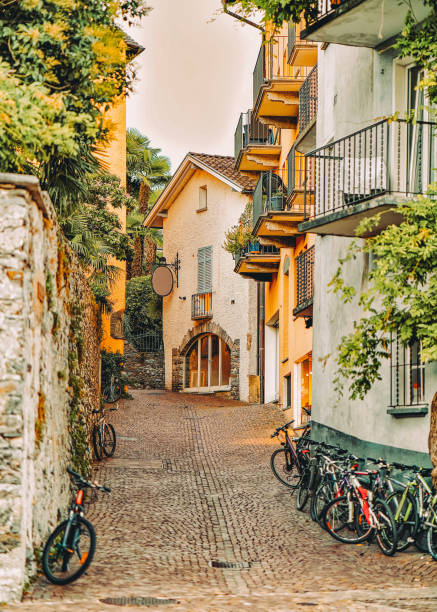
[294, 39]
[324, 8]
[301, 179]
[272, 64]
[308, 99]
[201, 306]
[255, 248]
[147, 342]
[407, 383]
[270, 193]
[250, 131]
[304, 278]
[396, 157]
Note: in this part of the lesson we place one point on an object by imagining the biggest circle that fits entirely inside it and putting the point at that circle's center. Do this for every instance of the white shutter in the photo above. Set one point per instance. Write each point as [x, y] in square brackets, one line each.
[204, 270]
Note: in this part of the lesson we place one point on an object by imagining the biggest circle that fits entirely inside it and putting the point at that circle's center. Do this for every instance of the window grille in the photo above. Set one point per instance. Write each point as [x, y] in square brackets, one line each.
[407, 374]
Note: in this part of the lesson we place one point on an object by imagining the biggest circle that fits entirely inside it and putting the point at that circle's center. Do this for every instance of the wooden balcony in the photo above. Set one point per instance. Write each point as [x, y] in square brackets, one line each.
[258, 262]
[300, 52]
[255, 147]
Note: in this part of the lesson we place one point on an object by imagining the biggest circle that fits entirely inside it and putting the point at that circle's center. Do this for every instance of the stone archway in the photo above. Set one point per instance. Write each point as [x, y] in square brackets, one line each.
[178, 356]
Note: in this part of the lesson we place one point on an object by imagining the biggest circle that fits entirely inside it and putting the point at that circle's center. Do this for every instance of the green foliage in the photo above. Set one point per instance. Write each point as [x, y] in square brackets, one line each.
[144, 164]
[62, 65]
[143, 307]
[239, 235]
[402, 293]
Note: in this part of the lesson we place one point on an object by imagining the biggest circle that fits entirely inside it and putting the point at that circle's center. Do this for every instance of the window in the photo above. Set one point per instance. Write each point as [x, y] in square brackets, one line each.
[208, 363]
[203, 201]
[204, 270]
[407, 374]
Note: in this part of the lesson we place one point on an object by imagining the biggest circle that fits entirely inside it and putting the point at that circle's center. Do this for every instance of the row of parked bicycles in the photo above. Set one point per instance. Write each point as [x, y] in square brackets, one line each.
[356, 499]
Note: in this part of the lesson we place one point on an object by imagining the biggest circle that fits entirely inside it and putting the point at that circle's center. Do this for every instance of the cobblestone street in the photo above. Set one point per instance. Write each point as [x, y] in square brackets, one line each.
[191, 484]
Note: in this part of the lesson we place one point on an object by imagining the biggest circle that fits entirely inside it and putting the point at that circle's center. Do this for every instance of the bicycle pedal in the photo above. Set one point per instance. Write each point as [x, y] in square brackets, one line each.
[411, 540]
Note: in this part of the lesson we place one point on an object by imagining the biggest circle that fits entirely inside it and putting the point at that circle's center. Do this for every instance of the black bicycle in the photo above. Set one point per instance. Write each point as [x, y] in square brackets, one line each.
[104, 438]
[288, 462]
[70, 548]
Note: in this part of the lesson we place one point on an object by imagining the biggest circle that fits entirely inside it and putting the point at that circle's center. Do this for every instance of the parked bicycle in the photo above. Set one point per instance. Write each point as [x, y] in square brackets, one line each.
[70, 548]
[112, 392]
[288, 462]
[103, 436]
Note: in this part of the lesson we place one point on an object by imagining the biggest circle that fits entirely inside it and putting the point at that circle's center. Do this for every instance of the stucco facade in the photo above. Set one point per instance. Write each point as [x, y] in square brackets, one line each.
[186, 230]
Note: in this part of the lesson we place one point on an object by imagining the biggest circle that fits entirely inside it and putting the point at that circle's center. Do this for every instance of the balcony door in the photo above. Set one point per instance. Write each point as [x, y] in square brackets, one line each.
[208, 364]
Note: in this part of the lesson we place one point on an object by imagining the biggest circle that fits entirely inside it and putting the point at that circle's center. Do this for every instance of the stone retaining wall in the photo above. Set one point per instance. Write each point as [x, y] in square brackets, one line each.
[144, 370]
[49, 375]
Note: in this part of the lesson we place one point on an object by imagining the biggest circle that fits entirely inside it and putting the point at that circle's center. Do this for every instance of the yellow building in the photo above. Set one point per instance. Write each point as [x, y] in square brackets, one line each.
[114, 159]
[270, 141]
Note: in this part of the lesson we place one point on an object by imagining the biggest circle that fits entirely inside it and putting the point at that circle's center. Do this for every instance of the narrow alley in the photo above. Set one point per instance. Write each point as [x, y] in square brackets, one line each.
[191, 485]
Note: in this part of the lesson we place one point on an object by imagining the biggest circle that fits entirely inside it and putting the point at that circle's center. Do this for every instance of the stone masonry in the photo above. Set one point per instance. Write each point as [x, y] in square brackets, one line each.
[145, 370]
[49, 374]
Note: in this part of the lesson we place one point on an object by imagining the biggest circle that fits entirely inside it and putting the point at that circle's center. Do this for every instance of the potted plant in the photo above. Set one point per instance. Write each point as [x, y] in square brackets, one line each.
[277, 200]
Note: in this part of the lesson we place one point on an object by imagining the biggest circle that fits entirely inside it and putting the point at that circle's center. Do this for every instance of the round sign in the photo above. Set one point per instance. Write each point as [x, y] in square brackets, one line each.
[162, 281]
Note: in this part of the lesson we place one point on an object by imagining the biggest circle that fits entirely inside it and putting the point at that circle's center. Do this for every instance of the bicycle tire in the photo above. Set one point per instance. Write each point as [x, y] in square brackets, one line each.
[97, 442]
[386, 534]
[109, 434]
[321, 497]
[112, 395]
[335, 520]
[303, 490]
[408, 522]
[52, 552]
[432, 540]
[284, 468]
[420, 539]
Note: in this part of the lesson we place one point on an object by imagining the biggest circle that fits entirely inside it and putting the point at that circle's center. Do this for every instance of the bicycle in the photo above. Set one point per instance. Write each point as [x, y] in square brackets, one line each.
[112, 392]
[70, 548]
[287, 463]
[103, 436]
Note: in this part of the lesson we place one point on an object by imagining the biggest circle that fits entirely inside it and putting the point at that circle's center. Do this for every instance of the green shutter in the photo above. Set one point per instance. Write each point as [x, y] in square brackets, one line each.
[204, 270]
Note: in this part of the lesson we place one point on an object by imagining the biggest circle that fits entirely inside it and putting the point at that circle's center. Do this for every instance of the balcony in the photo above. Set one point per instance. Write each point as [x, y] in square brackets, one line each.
[301, 177]
[361, 23]
[201, 306]
[274, 221]
[368, 172]
[276, 84]
[308, 103]
[257, 262]
[300, 52]
[304, 283]
[255, 147]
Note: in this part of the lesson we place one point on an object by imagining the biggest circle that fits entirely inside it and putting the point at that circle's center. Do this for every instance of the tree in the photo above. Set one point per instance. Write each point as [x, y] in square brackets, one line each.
[143, 307]
[401, 299]
[145, 166]
[418, 40]
[62, 66]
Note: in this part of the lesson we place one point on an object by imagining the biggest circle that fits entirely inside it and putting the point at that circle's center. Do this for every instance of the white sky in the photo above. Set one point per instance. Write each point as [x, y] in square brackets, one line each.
[194, 77]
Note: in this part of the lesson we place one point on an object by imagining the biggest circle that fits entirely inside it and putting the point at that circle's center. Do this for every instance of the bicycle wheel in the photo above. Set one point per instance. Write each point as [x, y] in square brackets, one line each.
[341, 523]
[112, 393]
[432, 539]
[386, 535]
[109, 440]
[322, 495]
[406, 518]
[421, 539]
[303, 490]
[284, 468]
[97, 442]
[63, 565]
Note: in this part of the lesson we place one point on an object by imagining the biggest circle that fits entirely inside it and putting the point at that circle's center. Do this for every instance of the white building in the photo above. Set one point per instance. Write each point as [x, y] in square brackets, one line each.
[363, 163]
[210, 317]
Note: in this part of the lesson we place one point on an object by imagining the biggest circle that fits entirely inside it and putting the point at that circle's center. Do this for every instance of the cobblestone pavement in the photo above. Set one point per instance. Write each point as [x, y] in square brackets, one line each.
[191, 484]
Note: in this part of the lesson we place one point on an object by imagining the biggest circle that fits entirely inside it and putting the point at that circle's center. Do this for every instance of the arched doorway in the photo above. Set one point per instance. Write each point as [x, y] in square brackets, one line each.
[207, 364]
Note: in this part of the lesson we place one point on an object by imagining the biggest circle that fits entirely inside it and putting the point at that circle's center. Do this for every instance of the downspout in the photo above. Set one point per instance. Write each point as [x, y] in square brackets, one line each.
[239, 17]
[261, 345]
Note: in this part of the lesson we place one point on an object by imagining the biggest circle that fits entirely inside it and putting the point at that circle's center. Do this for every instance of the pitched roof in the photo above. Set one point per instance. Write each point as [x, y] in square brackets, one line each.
[225, 165]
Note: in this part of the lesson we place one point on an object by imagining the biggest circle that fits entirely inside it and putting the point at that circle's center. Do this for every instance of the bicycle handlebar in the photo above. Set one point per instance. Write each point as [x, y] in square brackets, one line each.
[278, 429]
[88, 483]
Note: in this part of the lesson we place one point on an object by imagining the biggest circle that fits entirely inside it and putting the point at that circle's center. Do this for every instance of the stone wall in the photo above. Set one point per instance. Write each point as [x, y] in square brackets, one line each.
[144, 370]
[49, 375]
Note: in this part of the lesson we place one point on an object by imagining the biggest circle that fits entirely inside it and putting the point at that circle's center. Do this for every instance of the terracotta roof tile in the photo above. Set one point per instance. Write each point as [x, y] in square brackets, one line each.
[224, 164]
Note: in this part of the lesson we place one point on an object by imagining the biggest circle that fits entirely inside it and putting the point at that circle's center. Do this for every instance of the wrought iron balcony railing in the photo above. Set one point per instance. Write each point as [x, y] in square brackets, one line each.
[250, 131]
[270, 193]
[388, 157]
[301, 178]
[308, 99]
[272, 64]
[255, 248]
[201, 306]
[304, 279]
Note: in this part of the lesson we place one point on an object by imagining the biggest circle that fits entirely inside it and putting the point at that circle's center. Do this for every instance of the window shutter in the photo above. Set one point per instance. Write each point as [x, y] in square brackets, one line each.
[204, 270]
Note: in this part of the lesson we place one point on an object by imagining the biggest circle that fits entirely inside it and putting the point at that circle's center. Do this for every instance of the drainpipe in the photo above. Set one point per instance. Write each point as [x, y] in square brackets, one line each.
[239, 17]
[261, 343]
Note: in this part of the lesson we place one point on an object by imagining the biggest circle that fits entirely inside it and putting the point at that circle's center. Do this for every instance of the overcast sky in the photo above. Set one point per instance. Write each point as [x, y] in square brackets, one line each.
[195, 77]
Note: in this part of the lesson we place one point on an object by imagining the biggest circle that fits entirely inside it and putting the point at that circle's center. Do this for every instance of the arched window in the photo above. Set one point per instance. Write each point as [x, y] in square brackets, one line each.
[208, 363]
